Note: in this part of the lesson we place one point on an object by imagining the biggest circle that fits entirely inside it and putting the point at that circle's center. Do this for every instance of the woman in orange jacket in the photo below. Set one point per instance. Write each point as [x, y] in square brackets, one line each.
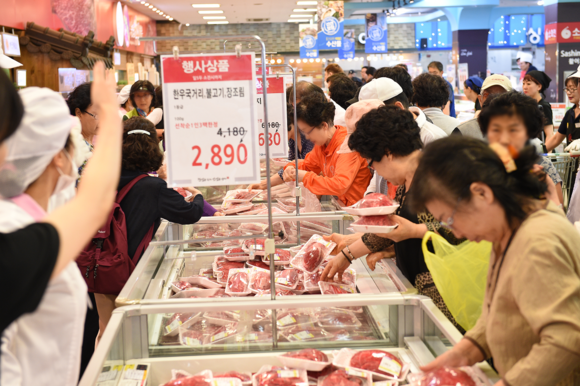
[324, 171]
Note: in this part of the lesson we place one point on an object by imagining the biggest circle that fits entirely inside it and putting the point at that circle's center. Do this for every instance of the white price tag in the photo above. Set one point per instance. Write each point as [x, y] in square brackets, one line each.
[223, 382]
[211, 122]
[288, 319]
[192, 342]
[219, 336]
[303, 335]
[277, 118]
[281, 280]
[356, 373]
[287, 374]
[173, 326]
[390, 366]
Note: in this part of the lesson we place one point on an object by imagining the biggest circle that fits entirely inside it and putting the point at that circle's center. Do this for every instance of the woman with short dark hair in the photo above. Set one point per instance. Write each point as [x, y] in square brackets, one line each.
[149, 200]
[530, 321]
[389, 139]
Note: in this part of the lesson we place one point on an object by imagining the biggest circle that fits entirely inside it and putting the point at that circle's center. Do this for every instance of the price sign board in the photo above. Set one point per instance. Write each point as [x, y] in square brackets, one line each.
[277, 118]
[210, 114]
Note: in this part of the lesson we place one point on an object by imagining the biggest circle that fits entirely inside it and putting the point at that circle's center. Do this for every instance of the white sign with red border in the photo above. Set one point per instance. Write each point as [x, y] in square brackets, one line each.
[277, 118]
[210, 114]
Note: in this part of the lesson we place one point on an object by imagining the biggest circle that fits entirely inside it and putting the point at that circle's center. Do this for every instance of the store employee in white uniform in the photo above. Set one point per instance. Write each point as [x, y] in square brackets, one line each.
[43, 347]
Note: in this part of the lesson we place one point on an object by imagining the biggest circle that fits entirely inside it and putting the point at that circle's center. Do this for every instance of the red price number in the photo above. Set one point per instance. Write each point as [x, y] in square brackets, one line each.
[228, 156]
[275, 139]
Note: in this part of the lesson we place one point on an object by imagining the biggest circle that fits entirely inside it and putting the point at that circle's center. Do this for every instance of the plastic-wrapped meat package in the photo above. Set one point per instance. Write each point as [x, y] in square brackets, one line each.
[309, 354]
[290, 203]
[317, 226]
[225, 332]
[299, 290]
[255, 228]
[206, 272]
[257, 246]
[233, 208]
[293, 318]
[330, 319]
[287, 279]
[238, 282]
[278, 231]
[278, 376]
[375, 200]
[348, 278]
[351, 335]
[377, 361]
[384, 220]
[182, 285]
[195, 334]
[315, 375]
[222, 270]
[236, 253]
[180, 319]
[281, 257]
[341, 378]
[255, 210]
[313, 254]
[220, 259]
[235, 242]
[257, 264]
[255, 337]
[244, 377]
[311, 281]
[246, 195]
[275, 210]
[443, 376]
[304, 334]
[334, 289]
[259, 280]
[221, 318]
[197, 380]
[279, 292]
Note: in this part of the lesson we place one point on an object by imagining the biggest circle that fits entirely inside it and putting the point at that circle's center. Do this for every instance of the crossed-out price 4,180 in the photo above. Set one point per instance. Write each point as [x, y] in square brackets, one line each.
[230, 154]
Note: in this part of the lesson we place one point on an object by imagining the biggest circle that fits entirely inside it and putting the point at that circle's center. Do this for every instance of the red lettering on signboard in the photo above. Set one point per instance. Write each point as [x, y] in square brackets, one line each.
[206, 68]
[562, 33]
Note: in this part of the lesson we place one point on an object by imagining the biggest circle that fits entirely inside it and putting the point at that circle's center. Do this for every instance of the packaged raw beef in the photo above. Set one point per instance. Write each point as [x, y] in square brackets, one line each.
[375, 221]
[221, 318]
[236, 253]
[182, 286]
[373, 205]
[257, 263]
[233, 208]
[255, 210]
[443, 376]
[223, 333]
[307, 359]
[281, 257]
[311, 281]
[223, 269]
[324, 227]
[377, 361]
[255, 337]
[309, 354]
[255, 246]
[244, 195]
[287, 279]
[197, 380]
[244, 377]
[312, 255]
[238, 282]
[255, 228]
[331, 319]
[180, 319]
[278, 232]
[334, 288]
[279, 376]
[196, 334]
[342, 378]
[259, 280]
[304, 334]
[348, 278]
[279, 292]
[299, 290]
[313, 376]
[294, 317]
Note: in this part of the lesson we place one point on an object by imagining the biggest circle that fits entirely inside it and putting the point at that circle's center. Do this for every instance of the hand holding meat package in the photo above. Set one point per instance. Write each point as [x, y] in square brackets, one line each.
[373, 204]
[238, 282]
[311, 256]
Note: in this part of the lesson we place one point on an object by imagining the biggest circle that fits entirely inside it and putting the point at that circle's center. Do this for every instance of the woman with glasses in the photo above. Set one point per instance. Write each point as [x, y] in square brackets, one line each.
[389, 138]
[570, 127]
[530, 320]
[79, 104]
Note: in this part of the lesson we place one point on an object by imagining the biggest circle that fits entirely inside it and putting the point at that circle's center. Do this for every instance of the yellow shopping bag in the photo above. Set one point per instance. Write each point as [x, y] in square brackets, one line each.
[460, 274]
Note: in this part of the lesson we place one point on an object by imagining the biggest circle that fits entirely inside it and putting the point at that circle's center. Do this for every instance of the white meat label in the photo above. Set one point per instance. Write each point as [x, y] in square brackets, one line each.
[390, 366]
[303, 335]
[288, 319]
[287, 374]
[356, 373]
[175, 324]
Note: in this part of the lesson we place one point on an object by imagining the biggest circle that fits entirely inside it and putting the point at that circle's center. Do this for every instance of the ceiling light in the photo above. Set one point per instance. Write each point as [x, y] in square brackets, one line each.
[298, 61]
[307, 2]
[218, 22]
[291, 60]
[142, 2]
[279, 61]
[170, 18]
[411, 1]
[154, 9]
[304, 10]
[311, 60]
[209, 12]
[151, 6]
[298, 20]
[146, 4]
[205, 5]
[540, 3]
[214, 17]
[187, 24]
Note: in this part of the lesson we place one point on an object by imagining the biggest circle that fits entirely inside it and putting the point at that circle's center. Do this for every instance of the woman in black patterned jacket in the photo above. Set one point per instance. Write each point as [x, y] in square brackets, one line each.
[389, 139]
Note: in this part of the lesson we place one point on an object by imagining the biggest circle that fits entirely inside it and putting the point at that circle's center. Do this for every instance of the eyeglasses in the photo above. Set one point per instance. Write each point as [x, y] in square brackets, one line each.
[570, 90]
[92, 115]
[449, 223]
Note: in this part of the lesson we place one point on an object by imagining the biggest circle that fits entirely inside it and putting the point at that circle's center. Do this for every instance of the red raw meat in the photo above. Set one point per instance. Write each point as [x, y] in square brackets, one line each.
[258, 264]
[288, 278]
[313, 255]
[327, 370]
[234, 374]
[335, 290]
[279, 292]
[347, 278]
[281, 255]
[376, 221]
[272, 378]
[183, 285]
[336, 319]
[260, 281]
[244, 195]
[374, 200]
[447, 376]
[181, 317]
[309, 354]
[341, 378]
[312, 279]
[238, 282]
[371, 359]
[255, 244]
[285, 318]
[198, 380]
[234, 251]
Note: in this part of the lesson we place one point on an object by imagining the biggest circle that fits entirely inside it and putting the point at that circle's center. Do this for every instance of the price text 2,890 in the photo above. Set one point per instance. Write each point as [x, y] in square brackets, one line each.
[229, 155]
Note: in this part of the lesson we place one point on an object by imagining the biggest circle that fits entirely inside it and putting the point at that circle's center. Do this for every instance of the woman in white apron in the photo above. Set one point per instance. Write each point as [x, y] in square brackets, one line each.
[43, 347]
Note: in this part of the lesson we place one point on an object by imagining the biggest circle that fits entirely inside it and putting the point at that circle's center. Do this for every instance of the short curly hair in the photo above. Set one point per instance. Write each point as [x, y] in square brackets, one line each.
[315, 110]
[400, 76]
[513, 103]
[430, 91]
[79, 98]
[341, 89]
[141, 152]
[386, 130]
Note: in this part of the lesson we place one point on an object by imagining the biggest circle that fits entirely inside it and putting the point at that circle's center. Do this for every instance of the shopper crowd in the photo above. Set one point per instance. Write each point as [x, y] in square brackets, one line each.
[482, 179]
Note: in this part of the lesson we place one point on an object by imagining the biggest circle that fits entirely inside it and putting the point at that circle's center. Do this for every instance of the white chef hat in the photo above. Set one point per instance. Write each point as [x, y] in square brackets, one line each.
[42, 133]
[524, 56]
[124, 94]
[382, 89]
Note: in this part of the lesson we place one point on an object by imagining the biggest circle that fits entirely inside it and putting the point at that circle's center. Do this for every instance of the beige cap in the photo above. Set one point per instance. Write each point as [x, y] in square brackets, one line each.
[496, 80]
[353, 114]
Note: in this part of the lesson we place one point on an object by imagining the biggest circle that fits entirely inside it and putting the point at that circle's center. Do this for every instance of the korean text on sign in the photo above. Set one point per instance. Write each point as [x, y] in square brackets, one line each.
[211, 119]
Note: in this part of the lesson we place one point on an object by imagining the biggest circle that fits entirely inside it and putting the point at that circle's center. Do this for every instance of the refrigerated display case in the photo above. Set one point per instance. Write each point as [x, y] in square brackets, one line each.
[408, 326]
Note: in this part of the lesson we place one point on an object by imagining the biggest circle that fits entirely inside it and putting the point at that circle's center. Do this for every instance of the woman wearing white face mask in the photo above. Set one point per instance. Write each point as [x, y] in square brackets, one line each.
[39, 165]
